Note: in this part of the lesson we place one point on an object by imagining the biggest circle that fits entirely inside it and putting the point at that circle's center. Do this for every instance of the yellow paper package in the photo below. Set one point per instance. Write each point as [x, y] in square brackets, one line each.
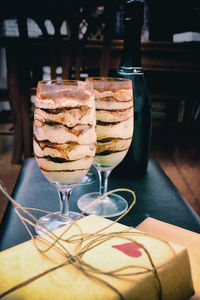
[116, 263]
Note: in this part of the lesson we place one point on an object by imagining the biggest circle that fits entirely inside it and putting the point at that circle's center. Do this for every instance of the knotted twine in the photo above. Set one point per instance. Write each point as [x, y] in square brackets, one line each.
[91, 241]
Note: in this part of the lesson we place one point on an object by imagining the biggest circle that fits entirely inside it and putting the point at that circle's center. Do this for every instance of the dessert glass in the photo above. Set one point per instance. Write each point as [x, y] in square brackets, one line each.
[114, 116]
[64, 139]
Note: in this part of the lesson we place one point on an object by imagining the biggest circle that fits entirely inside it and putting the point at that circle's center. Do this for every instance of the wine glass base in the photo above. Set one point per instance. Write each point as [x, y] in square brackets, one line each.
[87, 179]
[111, 206]
[56, 220]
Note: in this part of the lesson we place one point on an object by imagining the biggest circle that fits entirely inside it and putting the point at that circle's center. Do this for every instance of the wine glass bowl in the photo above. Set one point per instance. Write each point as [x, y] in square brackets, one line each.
[114, 117]
[64, 139]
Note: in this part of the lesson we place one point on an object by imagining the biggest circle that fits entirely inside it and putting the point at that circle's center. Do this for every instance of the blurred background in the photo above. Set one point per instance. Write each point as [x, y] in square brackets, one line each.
[75, 39]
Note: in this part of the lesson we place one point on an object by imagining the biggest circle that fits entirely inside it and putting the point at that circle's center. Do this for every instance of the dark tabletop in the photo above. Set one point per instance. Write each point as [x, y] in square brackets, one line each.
[156, 197]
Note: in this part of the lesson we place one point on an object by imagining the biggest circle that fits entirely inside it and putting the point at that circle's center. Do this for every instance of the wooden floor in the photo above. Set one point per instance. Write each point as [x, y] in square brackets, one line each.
[181, 163]
[183, 170]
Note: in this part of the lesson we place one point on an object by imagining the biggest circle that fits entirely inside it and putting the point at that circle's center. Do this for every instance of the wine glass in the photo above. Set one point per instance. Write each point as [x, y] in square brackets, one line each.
[114, 116]
[87, 179]
[64, 139]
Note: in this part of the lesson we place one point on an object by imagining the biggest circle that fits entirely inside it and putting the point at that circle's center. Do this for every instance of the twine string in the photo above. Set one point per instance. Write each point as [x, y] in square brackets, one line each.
[91, 241]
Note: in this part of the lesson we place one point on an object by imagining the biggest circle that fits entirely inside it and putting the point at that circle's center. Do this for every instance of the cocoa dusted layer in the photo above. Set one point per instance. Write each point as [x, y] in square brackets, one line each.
[123, 130]
[113, 105]
[63, 99]
[118, 94]
[59, 133]
[68, 151]
[67, 116]
[113, 145]
[114, 115]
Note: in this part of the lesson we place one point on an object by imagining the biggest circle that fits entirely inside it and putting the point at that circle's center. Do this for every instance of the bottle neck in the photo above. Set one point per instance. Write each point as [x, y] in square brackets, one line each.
[123, 70]
[133, 20]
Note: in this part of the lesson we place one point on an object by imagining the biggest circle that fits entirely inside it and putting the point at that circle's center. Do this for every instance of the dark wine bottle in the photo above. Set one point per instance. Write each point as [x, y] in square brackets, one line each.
[135, 163]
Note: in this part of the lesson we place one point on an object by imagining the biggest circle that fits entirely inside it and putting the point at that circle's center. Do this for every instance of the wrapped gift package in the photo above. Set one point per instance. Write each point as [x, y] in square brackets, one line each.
[180, 236]
[116, 263]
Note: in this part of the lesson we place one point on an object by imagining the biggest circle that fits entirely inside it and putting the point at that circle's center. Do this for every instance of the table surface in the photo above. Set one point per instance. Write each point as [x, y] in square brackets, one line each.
[156, 196]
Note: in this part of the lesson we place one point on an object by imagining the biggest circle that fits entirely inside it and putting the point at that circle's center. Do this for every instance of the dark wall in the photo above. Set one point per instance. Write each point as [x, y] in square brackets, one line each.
[172, 16]
[166, 17]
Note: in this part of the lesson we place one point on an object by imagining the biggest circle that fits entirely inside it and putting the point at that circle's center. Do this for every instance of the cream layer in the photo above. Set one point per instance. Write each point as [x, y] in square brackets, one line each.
[113, 105]
[54, 101]
[67, 151]
[114, 116]
[112, 159]
[122, 130]
[70, 118]
[60, 134]
[65, 177]
[121, 94]
[113, 145]
[48, 165]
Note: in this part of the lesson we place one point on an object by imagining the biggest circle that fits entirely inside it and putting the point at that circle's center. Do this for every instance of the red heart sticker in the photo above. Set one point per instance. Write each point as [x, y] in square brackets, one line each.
[130, 249]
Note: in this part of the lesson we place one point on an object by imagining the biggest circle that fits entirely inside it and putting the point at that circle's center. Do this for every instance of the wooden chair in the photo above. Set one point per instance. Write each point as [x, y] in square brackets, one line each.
[11, 94]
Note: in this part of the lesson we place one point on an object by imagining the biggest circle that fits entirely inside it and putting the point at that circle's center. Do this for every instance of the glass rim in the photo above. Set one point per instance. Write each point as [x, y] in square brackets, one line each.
[103, 78]
[61, 81]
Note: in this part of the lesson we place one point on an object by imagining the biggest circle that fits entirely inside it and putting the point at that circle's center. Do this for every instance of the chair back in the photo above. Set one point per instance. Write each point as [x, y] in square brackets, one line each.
[69, 41]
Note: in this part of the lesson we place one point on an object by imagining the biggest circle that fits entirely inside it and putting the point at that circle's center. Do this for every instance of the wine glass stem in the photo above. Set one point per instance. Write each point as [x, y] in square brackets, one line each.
[103, 181]
[64, 196]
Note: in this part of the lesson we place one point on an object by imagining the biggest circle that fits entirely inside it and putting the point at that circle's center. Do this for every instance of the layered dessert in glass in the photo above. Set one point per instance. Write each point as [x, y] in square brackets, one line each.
[115, 122]
[64, 140]
[114, 114]
[64, 134]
